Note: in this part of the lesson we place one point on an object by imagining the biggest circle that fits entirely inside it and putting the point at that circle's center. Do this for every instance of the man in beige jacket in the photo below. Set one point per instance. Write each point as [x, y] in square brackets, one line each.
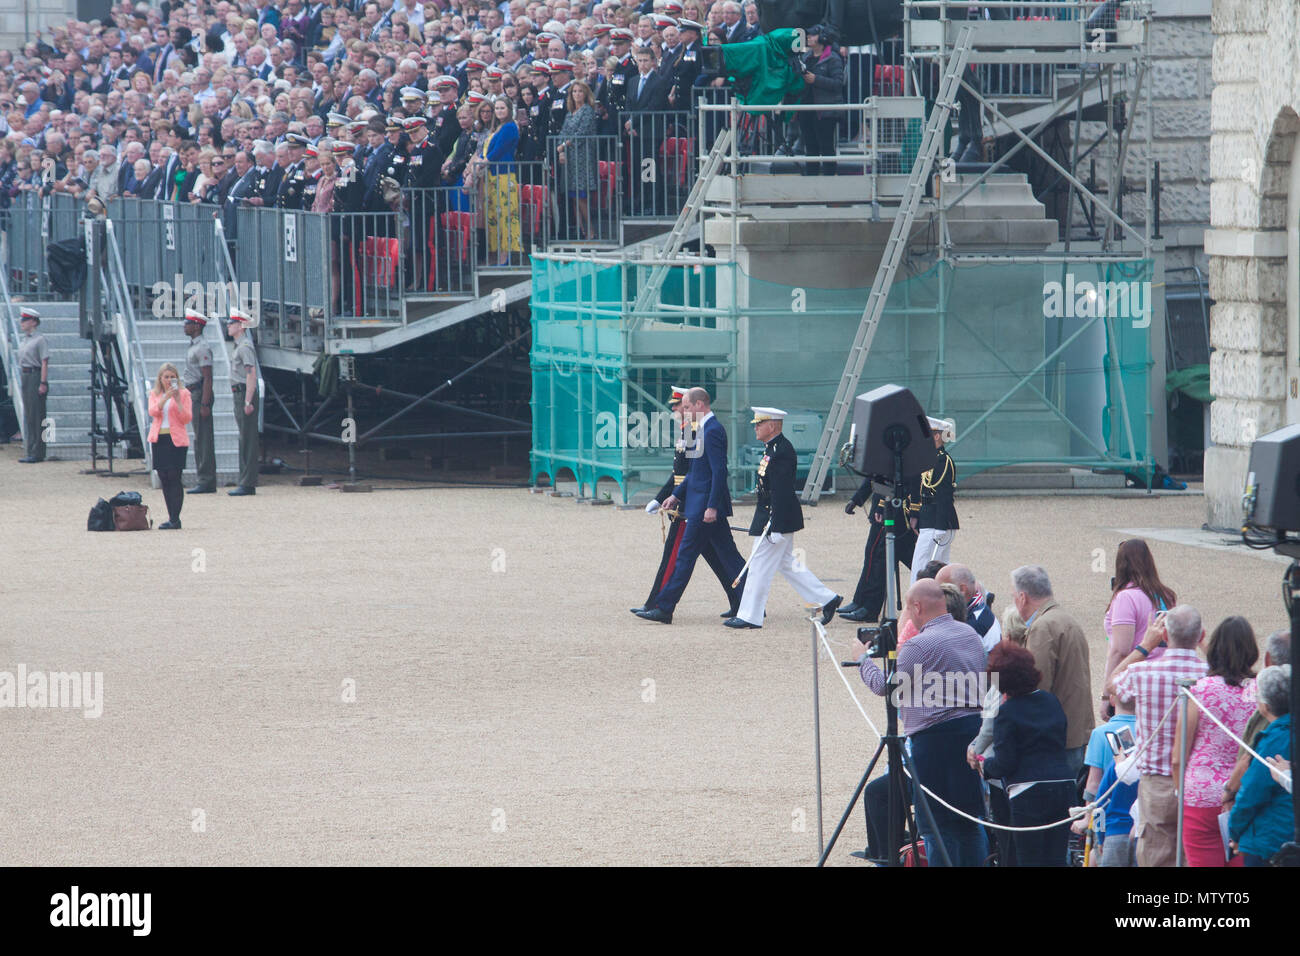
[1060, 652]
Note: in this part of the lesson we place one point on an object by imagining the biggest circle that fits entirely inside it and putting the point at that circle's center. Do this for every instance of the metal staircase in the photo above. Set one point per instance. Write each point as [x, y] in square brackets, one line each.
[824, 459]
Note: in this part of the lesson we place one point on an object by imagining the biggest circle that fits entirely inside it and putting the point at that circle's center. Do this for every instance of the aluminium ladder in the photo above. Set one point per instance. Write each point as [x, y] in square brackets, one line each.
[898, 236]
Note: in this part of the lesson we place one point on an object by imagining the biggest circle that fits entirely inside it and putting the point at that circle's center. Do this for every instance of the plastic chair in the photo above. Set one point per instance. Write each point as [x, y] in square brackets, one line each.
[888, 80]
[607, 170]
[461, 223]
[676, 153]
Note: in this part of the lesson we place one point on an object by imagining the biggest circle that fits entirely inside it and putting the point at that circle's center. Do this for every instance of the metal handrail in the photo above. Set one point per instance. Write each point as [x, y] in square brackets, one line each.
[9, 339]
[128, 337]
[226, 269]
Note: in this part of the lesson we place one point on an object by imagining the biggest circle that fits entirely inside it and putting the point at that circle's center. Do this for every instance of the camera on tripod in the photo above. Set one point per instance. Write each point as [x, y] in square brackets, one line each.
[879, 639]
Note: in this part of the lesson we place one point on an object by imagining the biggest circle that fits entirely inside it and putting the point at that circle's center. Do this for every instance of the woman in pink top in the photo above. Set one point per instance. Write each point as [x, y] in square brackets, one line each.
[1228, 692]
[1136, 595]
[324, 201]
[170, 410]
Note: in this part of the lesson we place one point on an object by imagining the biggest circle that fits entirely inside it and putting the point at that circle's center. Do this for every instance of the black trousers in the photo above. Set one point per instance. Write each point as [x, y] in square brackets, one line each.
[169, 462]
[668, 564]
[1042, 803]
[870, 593]
[818, 140]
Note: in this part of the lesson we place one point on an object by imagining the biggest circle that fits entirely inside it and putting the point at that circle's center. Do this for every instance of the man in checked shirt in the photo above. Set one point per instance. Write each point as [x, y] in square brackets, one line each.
[1154, 687]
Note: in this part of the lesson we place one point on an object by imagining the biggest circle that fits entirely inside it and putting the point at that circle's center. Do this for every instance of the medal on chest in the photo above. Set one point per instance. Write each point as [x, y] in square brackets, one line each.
[762, 466]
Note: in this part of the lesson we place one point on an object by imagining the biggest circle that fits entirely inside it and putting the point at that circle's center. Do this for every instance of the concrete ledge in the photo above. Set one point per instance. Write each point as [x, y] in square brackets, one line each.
[1246, 243]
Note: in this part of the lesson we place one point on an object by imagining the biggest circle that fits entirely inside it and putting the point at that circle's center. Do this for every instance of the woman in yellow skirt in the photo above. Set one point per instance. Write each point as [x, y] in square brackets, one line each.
[496, 162]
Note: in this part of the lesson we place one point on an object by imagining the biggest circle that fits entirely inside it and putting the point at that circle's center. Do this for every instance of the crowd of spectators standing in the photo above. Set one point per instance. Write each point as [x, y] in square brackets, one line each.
[1039, 750]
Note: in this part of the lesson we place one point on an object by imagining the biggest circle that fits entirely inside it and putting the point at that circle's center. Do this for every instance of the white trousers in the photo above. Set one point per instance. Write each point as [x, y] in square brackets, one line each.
[765, 560]
[931, 545]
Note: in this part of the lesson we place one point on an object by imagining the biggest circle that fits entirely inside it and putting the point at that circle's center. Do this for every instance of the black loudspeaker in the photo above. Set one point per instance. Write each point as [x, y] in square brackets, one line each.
[1273, 484]
[94, 10]
[887, 420]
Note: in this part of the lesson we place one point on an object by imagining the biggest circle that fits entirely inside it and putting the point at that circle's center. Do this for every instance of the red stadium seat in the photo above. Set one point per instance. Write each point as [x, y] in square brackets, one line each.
[461, 223]
[888, 81]
[608, 172]
[676, 153]
[530, 204]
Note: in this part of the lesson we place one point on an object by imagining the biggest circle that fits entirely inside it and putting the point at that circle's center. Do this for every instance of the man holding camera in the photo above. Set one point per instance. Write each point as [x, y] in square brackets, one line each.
[939, 729]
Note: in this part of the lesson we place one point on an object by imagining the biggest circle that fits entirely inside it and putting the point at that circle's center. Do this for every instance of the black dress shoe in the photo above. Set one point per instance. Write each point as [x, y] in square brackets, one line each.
[29, 461]
[857, 616]
[738, 622]
[201, 490]
[730, 612]
[636, 610]
[848, 608]
[241, 491]
[170, 525]
[654, 614]
[828, 611]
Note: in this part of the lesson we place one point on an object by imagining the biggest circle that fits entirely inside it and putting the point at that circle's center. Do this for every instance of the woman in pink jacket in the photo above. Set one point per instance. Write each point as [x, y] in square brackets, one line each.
[170, 411]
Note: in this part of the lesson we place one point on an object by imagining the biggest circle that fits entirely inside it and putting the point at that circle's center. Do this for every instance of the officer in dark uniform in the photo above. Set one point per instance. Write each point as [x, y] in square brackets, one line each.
[347, 198]
[561, 79]
[444, 128]
[869, 597]
[294, 180]
[681, 465]
[539, 115]
[936, 519]
[620, 39]
[310, 157]
[776, 518]
[423, 176]
[690, 61]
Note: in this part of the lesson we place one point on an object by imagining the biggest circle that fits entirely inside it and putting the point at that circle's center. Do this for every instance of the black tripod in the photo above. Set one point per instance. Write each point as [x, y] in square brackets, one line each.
[884, 647]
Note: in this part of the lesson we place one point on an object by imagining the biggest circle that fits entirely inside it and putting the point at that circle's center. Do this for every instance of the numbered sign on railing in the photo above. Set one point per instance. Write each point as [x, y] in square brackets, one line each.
[169, 227]
[290, 238]
[90, 243]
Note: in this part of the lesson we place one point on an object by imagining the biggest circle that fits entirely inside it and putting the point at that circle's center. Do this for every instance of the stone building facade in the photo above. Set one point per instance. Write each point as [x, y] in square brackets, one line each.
[1252, 242]
[20, 19]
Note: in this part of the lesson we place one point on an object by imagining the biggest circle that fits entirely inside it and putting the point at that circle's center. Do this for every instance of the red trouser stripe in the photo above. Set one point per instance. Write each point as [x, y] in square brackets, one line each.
[678, 528]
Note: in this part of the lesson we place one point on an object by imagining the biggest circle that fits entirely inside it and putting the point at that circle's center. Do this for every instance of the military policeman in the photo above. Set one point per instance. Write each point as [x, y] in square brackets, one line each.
[936, 521]
[685, 449]
[869, 597]
[34, 366]
[776, 519]
[621, 39]
[197, 377]
[243, 383]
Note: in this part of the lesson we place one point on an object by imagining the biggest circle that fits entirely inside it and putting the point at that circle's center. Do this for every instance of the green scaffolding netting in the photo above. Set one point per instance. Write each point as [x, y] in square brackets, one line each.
[1035, 362]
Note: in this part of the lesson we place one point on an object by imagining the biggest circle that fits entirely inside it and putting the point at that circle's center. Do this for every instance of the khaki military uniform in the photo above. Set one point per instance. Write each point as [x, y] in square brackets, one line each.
[198, 358]
[244, 358]
[31, 353]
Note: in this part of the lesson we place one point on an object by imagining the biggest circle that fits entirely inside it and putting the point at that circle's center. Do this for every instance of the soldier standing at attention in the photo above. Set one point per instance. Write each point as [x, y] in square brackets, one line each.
[243, 383]
[34, 361]
[936, 522]
[686, 448]
[776, 518]
[197, 377]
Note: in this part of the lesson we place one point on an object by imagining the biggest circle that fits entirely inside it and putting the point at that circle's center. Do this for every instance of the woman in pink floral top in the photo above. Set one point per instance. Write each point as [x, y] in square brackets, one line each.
[1227, 691]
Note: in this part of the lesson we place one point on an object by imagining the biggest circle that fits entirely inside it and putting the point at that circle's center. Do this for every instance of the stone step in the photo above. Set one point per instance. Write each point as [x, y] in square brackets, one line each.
[1004, 234]
[1045, 476]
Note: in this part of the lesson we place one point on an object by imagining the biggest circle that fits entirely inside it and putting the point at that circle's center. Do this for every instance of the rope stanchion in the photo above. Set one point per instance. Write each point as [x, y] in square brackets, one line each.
[1086, 809]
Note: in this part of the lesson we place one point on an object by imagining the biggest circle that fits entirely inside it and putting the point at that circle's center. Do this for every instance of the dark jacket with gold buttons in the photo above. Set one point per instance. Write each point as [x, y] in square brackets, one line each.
[777, 497]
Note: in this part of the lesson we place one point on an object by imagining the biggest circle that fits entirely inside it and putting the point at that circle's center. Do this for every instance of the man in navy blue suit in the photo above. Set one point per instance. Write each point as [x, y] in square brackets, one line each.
[707, 506]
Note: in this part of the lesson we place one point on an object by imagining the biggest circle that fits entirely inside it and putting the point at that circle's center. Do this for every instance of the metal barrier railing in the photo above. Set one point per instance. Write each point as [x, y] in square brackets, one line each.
[585, 188]
[660, 153]
[10, 339]
[36, 221]
[124, 325]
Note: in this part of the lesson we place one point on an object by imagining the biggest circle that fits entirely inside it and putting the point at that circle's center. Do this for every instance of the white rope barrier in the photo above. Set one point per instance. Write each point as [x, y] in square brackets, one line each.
[1085, 810]
[1241, 743]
